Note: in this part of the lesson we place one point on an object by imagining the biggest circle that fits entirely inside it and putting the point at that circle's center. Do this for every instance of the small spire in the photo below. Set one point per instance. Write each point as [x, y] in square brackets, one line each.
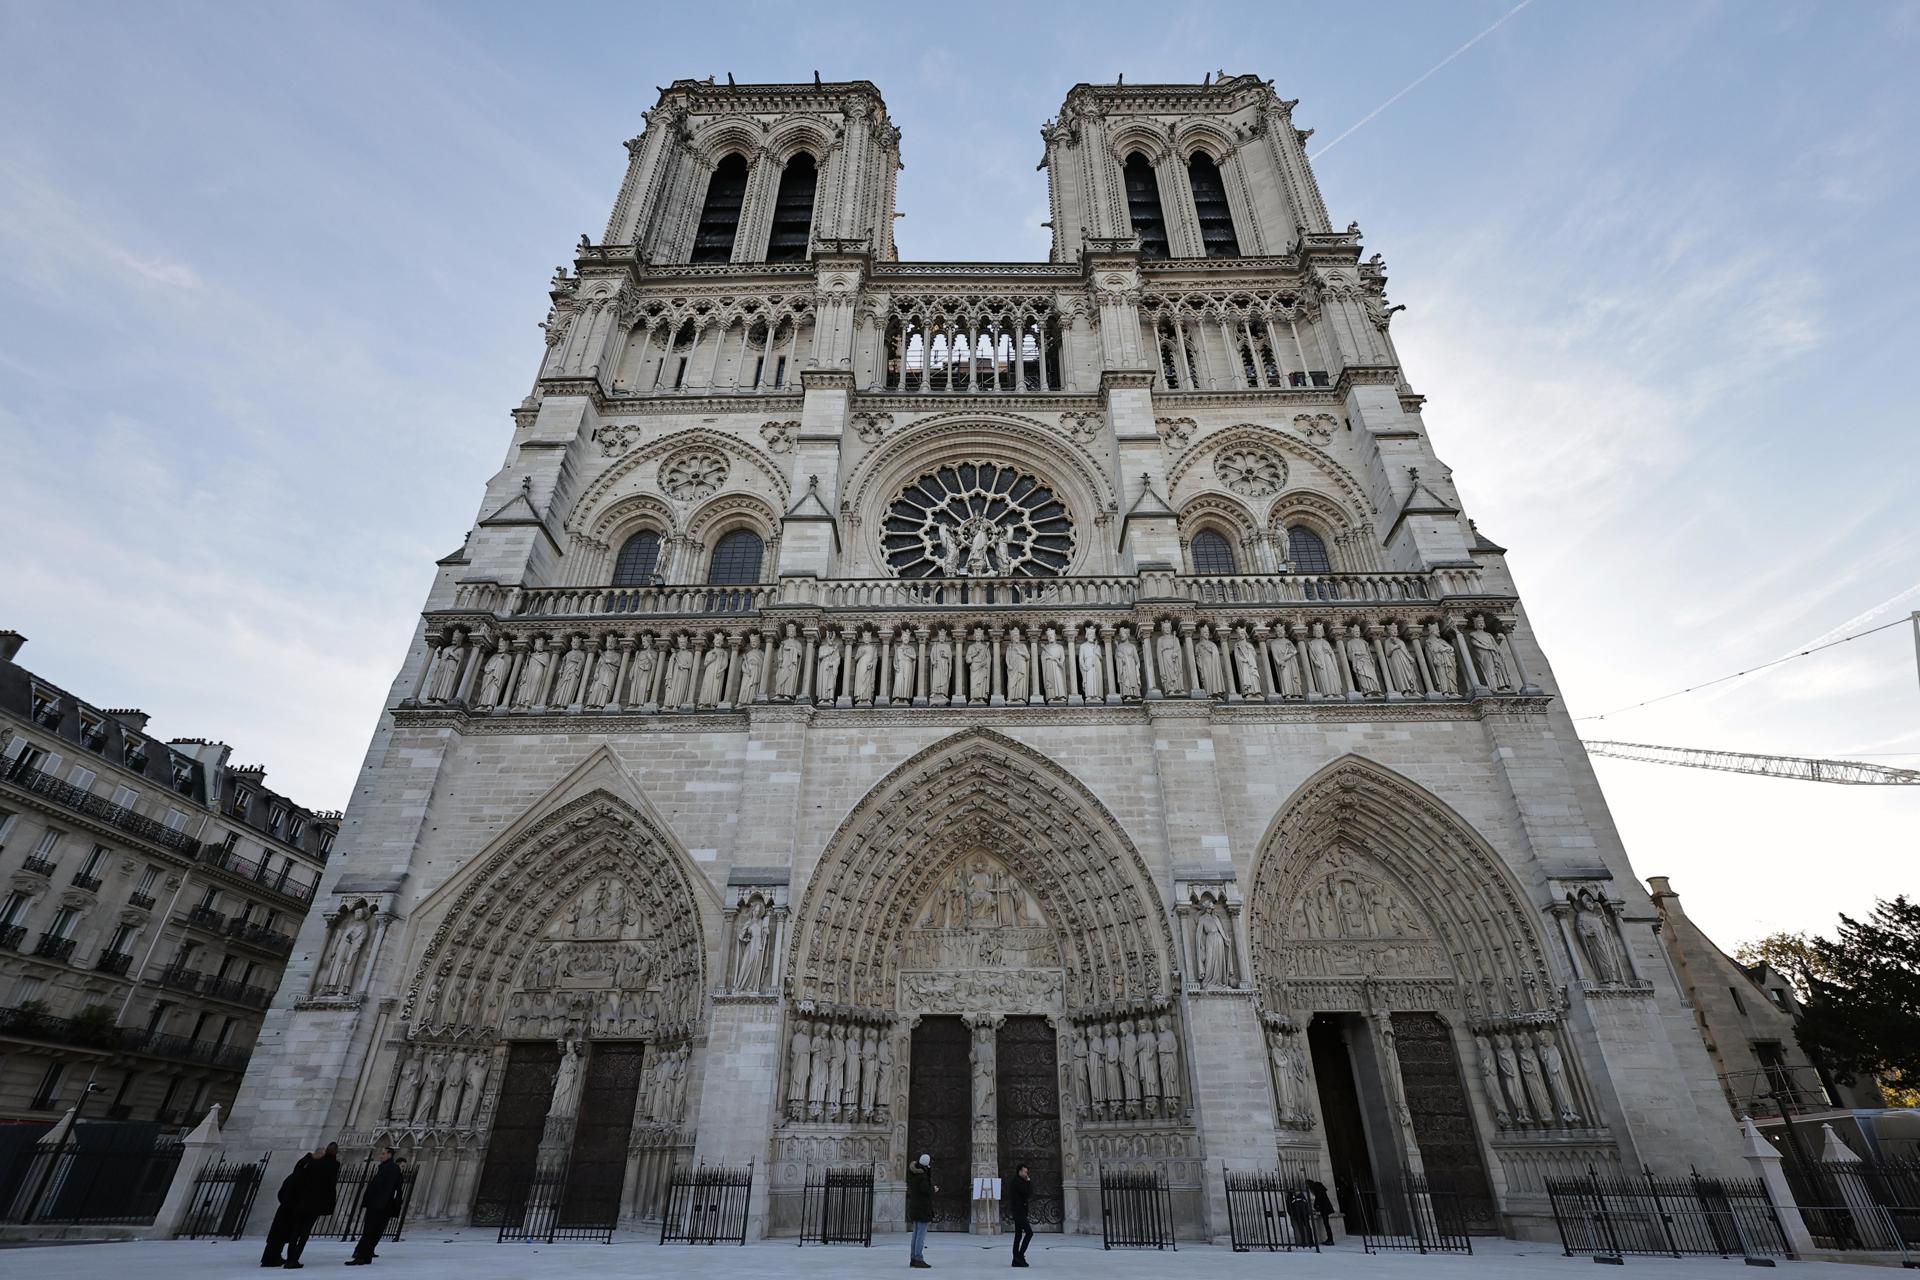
[813, 484]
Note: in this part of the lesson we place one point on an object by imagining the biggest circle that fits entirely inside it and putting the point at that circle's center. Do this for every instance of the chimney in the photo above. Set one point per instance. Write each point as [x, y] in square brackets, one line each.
[10, 642]
[1663, 895]
[132, 717]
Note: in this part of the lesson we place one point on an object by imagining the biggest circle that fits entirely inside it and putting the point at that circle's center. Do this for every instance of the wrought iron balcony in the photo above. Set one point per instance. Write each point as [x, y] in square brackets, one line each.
[65, 794]
[180, 978]
[33, 1024]
[116, 962]
[38, 866]
[144, 901]
[207, 918]
[238, 992]
[81, 880]
[11, 936]
[257, 935]
[52, 947]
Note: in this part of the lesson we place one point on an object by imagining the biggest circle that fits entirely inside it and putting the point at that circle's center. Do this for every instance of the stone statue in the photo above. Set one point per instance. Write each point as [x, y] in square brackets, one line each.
[533, 677]
[1403, 673]
[475, 1080]
[1018, 689]
[1053, 667]
[430, 1089]
[1536, 1090]
[572, 666]
[1110, 1053]
[837, 1066]
[1441, 662]
[978, 566]
[1092, 677]
[1167, 658]
[344, 962]
[883, 1071]
[820, 1073]
[1591, 926]
[1556, 1069]
[680, 1074]
[493, 678]
[445, 668]
[786, 665]
[1213, 950]
[903, 660]
[645, 663]
[1077, 1073]
[605, 669]
[679, 675]
[1510, 1077]
[979, 667]
[1167, 1049]
[1490, 1082]
[448, 1112]
[1146, 1062]
[1366, 675]
[866, 659]
[751, 664]
[1285, 655]
[713, 674]
[940, 666]
[1099, 1082]
[1003, 547]
[826, 668]
[949, 555]
[869, 1046]
[1126, 665]
[1325, 662]
[1246, 663]
[1280, 1052]
[406, 1094]
[1129, 1044]
[799, 1055]
[1485, 646]
[749, 973]
[1207, 665]
[983, 1073]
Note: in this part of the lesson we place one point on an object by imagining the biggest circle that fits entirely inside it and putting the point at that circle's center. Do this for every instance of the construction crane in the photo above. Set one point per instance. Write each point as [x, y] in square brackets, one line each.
[1799, 768]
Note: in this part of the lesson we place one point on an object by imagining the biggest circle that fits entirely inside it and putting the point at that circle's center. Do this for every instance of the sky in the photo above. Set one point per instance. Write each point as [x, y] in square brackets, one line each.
[270, 276]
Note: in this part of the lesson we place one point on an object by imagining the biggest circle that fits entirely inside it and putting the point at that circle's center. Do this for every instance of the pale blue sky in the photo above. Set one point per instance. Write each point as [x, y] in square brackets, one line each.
[269, 276]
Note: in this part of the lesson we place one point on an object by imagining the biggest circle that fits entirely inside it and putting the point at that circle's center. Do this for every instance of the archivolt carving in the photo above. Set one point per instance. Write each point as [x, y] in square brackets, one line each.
[1217, 510]
[553, 915]
[729, 133]
[586, 512]
[1252, 436]
[979, 791]
[1326, 517]
[1340, 873]
[732, 509]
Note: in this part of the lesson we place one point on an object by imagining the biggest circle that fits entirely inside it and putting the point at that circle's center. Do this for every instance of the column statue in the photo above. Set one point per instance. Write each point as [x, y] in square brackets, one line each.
[750, 969]
[752, 662]
[1213, 950]
[713, 674]
[1320, 654]
[1490, 1082]
[445, 668]
[1556, 1068]
[866, 659]
[1166, 652]
[903, 660]
[679, 675]
[1126, 665]
[1286, 660]
[786, 665]
[1486, 652]
[493, 679]
[1366, 675]
[1403, 673]
[606, 670]
[1053, 667]
[1206, 658]
[939, 667]
[1018, 689]
[646, 662]
[979, 667]
[573, 665]
[1246, 663]
[826, 668]
[1441, 662]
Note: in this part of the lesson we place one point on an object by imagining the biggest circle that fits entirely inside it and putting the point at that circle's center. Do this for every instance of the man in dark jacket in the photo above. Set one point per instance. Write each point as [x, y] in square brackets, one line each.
[293, 1192]
[1020, 1205]
[381, 1200]
[920, 1189]
[1323, 1206]
[316, 1200]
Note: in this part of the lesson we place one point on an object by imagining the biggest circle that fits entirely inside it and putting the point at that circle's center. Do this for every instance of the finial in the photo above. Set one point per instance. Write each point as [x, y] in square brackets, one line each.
[1413, 474]
[526, 487]
[813, 483]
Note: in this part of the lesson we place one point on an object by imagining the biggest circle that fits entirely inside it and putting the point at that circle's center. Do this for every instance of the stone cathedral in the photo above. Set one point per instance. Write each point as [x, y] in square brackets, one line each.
[1051, 712]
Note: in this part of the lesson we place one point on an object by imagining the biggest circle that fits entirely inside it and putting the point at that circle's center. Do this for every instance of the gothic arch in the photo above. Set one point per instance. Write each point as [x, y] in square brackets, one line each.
[1362, 814]
[729, 133]
[494, 912]
[592, 550]
[599, 498]
[980, 790]
[1149, 139]
[1203, 135]
[1248, 434]
[793, 134]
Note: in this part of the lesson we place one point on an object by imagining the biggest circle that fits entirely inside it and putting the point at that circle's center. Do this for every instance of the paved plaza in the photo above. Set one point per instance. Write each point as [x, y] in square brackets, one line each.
[474, 1255]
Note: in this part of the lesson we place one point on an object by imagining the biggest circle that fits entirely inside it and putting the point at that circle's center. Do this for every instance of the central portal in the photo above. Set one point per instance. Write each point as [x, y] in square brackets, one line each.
[1029, 1089]
[939, 1114]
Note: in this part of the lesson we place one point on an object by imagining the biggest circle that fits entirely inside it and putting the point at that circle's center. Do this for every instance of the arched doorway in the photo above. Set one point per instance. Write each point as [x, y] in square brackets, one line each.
[1414, 1023]
[984, 955]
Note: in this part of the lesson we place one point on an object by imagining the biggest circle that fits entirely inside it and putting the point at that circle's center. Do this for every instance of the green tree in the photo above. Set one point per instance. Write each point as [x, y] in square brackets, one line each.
[1792, 955]
[1863, 1014]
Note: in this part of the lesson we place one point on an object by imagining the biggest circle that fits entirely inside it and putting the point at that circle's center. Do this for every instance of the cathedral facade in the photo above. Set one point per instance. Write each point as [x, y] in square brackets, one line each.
[1049, 712]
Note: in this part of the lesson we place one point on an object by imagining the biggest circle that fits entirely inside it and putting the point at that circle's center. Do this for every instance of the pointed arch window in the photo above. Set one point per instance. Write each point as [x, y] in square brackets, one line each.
[1143, 206]
[1306, 551]
[1212, 553]
[736, 559]
[1210, 204]
[793, 211]
[638, 561]
[720, 215]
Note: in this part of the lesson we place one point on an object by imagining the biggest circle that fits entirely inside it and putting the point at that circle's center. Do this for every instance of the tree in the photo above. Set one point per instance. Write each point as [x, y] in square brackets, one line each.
[1863, 1015]
[1791, 955]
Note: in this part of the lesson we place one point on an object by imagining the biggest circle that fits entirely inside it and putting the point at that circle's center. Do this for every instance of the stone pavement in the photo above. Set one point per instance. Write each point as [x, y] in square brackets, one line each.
[473, 1255]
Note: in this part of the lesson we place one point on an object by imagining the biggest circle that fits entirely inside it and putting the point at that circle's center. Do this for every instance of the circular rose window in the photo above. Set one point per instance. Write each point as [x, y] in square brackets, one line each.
[978, 520]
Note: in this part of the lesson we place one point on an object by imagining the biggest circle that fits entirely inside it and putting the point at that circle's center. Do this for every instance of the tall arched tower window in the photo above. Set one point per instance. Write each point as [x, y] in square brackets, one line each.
[1211, 553]
[720, 215]
[793, 211]
[736, 559]
[1307, 552]
[1143, 206]
[639, 557]
[1210, 203]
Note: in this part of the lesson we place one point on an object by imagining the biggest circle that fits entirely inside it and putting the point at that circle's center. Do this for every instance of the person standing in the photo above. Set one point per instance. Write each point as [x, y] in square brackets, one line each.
[920, 1191]
[1020, 1205]
[1323, 1208]
[381, 1200]
[316, 1200]
[293, 1193]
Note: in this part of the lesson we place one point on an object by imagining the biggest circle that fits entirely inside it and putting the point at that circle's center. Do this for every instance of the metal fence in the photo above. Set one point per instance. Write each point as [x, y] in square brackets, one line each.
[707, 1205]
[1136, 1209]
[97, 1175]
[837, 1206]
[349, 1216]
[1270, 1209]
[1412, 1214]
[223, 1195]
[538, 1211]
[1612, 1217]
[1859, 1204]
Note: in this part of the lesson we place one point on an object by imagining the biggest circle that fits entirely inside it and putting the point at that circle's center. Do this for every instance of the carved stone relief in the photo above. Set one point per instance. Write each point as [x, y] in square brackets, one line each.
[1253, 473]
[693, 473]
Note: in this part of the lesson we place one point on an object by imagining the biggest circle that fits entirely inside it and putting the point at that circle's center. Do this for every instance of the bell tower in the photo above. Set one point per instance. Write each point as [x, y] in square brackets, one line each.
[1213, 170]
[758, 173]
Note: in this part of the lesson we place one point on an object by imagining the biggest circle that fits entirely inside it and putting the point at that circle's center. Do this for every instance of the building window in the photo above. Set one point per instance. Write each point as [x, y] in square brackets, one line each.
[720, 215]
[125, 797]
[639, 558]
[296, 828]
[134, 752]
[207, 902]
[121, 942]
[793, 211]
[1773, 1060]
[15, 909]
[1143, 206]
[1739, 1005]
[1210, 203]
[1306, 551]
[230, 842]
[176, 820]
[95, 867]
[81, 779]
[46, 707]
[93, 732]
[736, 559]
[147, 880]
[62, 926]
[326, 842]
[277, 820]
[49, 1090]
[48, 840]
[242, 801]
[6, 825]
[1211, 554]
[27, 990]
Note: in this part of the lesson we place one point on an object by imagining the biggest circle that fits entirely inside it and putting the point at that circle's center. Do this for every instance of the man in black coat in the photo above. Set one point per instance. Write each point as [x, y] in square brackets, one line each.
[316, 1200]
[381, 1200]
[293, 1193]
[920, 1189]
[1020, 1205]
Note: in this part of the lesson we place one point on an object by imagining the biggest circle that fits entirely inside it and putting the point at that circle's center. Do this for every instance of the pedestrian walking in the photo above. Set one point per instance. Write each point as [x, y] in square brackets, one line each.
[1322, 1206]
[381, 1200]
[292, 1195]
[920, 1192]
[316, 1200]
[1020, 1205]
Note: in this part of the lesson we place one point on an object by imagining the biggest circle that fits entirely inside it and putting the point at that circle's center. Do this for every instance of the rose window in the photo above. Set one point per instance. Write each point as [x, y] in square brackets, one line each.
[1253, 472]
[978, 520]
[694, 473]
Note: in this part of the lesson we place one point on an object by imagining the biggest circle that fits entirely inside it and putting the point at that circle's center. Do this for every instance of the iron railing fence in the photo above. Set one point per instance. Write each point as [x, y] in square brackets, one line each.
[837, 1206]
[537, 1210]
[349, 1216]
[223, 1196]
[97, 1175]
[707, 1205]
[1270, 1209]
[1414, 1213]
[1136, 1209]
[1859, 1205]
[1611, 1217]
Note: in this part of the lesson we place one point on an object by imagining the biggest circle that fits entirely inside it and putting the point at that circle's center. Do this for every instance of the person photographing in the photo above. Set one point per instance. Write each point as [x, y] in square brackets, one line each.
[920, 1192]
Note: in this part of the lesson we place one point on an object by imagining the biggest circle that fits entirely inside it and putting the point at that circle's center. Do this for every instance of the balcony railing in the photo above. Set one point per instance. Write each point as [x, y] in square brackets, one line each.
[207, 918]
[32, 1024]
[245, 931]
[51, 947]
[144, 901]
[11, 936]
[81, 880]
[238, 992]
[180, 978]
[37, 865]
[281, 882]
[115, 962]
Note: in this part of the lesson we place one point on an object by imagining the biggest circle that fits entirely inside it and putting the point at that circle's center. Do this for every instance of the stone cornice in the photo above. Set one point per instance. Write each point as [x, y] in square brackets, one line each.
[904, 402]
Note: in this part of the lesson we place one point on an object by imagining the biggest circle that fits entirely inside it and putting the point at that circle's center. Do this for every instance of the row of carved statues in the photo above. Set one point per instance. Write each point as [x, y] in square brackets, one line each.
[839, 1071]
[984, 665]
[1126, 1069]
[439, 1087]
[1526, 1079]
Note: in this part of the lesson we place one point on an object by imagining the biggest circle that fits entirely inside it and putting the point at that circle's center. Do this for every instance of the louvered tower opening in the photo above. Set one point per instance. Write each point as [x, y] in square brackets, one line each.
[793, 211]
[720, 215]
[1143, 206]
[1210, 203]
